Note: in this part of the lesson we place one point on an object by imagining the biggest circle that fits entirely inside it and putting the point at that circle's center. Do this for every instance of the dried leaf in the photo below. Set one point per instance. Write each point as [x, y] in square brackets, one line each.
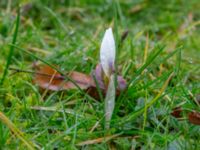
[48, 78]
[194, 118]
[93, 92]
[84, 81]
[177, 112]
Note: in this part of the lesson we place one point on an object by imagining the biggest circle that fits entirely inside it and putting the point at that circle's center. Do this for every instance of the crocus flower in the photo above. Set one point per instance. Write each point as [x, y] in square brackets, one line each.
[106, 69]
[107, 61]
[105, 74]
[107, 53]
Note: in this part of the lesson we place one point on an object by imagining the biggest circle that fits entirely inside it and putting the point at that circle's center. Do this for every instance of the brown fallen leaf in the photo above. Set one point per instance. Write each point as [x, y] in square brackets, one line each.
[194, 118]
[48, 78]
[93, 92]
[177, 112]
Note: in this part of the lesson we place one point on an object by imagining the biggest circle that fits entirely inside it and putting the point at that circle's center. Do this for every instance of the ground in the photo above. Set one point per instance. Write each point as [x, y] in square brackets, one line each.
[159, 58]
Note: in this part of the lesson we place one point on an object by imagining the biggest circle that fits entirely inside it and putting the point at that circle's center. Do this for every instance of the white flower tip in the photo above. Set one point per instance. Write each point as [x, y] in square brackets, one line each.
[109, 30]
[107, 52]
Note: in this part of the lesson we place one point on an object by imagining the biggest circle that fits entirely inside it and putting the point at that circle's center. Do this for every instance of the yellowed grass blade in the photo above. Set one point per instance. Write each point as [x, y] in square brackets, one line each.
[16, 131]
[161, 90]
[98, 140]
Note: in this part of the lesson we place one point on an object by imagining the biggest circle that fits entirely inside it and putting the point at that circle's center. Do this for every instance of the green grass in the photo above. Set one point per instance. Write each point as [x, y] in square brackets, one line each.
[68, 34]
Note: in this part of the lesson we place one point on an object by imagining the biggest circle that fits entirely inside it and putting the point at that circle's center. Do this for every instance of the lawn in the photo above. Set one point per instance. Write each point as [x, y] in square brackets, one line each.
[157, 53]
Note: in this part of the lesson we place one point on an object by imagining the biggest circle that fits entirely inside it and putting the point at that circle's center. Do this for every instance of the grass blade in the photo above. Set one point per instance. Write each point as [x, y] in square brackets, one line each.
[11, 47]
[157, 97]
